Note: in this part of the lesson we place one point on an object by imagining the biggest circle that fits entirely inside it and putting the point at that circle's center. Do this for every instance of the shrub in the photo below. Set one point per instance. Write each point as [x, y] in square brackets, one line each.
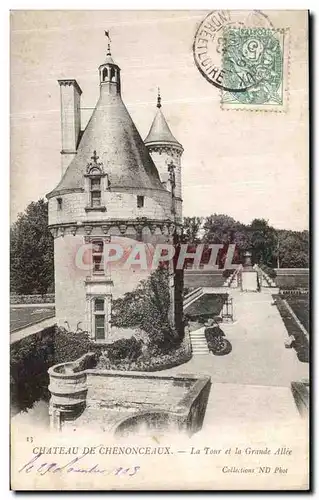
[70, 346]
[210, 333]
[129, 349]
[148, 362]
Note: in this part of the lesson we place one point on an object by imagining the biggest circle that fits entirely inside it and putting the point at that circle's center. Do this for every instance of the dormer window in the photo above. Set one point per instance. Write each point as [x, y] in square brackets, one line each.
[95, 192]
[96, 183]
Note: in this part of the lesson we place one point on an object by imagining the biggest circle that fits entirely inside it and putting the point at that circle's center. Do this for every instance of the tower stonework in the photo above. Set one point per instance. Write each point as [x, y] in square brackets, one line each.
[165, 150]
[110, 193]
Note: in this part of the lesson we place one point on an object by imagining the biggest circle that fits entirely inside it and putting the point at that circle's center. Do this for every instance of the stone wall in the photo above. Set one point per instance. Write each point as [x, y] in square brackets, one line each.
[99, 398]
[48, 298]
[292, 278]
[119, 205]
[197, 278]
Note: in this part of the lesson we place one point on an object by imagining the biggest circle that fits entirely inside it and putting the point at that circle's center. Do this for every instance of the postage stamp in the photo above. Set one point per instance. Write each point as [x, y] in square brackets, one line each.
[255, 65]
[209, 41]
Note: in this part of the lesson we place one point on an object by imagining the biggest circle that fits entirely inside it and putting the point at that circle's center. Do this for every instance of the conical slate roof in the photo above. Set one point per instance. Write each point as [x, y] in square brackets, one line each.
[113, 135]
[160, 131]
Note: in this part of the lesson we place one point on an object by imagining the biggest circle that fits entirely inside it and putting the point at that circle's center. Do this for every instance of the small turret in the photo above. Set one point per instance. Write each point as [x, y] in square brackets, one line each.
[110, 80]
[166, 151]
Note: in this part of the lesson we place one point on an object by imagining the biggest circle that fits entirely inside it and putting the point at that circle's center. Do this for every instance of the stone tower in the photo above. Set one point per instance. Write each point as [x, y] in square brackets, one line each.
[110, 193]
[166, 153]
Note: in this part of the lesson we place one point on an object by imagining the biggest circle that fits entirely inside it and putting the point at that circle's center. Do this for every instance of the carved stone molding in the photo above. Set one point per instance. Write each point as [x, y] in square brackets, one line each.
[164, 229]
[173, 150]
[167, 227]
[94, 167]
[139, 230]
[90, 239]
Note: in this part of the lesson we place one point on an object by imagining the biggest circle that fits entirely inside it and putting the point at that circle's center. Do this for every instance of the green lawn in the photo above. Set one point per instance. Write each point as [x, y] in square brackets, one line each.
[209, 304]
[20, 317]
[300, 306]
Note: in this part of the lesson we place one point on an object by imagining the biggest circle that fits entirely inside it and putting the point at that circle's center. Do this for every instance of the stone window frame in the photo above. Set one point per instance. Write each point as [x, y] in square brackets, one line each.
[101, 313]
[96, 241]
[59, 203]
[140, 201]
[95, 173]
[95, 188]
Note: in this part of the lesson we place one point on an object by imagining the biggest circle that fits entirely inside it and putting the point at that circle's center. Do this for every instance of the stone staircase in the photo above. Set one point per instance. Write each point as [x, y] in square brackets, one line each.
[192, 297]
[232, 280]
[198, 342]
[266, 281]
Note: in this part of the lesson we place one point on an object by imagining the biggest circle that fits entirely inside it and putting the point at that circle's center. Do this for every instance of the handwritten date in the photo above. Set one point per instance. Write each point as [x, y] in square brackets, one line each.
[73, 466]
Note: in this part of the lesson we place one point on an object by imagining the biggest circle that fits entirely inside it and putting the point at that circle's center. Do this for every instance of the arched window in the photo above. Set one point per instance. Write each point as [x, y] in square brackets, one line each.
[104, 74]
[112, 74]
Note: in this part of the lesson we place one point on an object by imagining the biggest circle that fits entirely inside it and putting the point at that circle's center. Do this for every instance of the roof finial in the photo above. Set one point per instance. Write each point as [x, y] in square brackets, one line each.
[107, 34]
[94, 157]
[158, 98]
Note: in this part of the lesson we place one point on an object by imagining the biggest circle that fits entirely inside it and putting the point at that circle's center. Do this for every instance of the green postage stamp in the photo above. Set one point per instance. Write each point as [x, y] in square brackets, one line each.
[255, 64]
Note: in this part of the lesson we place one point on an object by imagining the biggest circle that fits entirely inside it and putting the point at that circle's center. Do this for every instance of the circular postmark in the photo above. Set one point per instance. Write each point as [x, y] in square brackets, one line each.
[208, 46]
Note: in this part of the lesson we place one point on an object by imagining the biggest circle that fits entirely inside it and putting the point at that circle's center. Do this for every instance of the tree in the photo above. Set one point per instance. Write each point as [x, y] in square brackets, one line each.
[293, 248]
[147, 307]
[263, 242]
[221, 228]
[191, 229]
[31, 251]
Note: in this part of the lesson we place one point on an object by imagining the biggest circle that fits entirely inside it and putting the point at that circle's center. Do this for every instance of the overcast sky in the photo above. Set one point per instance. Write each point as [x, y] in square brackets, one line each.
[244, 164]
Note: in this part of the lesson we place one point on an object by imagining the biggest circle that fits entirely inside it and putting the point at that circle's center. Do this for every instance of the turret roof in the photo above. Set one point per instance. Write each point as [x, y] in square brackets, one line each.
[119, 146]
[160, 131]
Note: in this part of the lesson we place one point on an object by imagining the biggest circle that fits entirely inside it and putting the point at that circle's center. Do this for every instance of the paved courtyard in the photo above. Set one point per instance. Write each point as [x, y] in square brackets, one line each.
[253, 381]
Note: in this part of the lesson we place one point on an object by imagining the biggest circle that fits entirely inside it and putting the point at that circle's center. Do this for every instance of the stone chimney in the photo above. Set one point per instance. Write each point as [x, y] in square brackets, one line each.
[70, 120]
